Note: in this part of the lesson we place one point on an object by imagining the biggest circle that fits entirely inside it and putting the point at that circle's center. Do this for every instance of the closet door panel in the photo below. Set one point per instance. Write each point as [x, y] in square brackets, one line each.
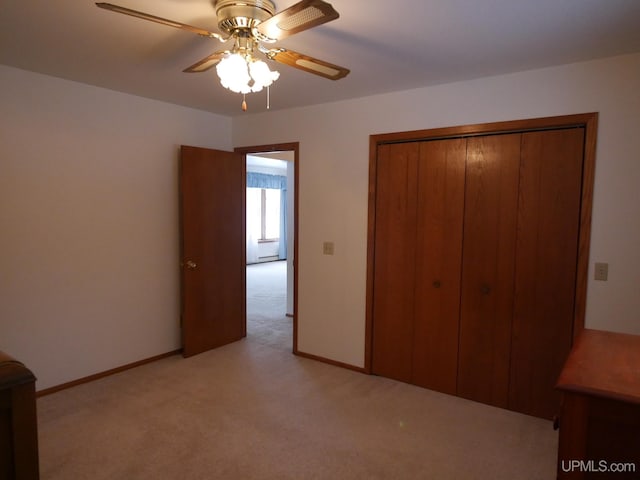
[491, 196]
[546, 263]
[440, 207]
[394, 275]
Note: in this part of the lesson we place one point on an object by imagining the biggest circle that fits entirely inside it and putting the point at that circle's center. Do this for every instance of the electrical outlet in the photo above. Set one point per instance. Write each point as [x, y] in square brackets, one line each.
[602, 271]
[327, 248]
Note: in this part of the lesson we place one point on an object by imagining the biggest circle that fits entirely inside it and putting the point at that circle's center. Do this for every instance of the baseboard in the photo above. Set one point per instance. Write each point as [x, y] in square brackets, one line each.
[330, 362]
[97, 376]
[113, 371]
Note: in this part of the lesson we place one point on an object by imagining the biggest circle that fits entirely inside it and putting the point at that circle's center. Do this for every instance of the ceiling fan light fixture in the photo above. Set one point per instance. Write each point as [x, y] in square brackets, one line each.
[234, 74]
[245, 75]
[250, 23]
[234, 14]
[262, 75]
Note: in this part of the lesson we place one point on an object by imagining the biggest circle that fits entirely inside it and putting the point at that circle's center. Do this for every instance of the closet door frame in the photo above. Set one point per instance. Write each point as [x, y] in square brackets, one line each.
[588, 121]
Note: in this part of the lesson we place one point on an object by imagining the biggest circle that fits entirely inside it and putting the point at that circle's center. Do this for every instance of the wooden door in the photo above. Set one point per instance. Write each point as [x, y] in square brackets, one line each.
[523, 266]
[212, 205]
[394, 275]
[491, 200]
[440, 206]
[546, 267]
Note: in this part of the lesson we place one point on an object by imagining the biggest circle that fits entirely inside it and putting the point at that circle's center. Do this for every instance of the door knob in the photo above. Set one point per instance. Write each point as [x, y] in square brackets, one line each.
[191, 265]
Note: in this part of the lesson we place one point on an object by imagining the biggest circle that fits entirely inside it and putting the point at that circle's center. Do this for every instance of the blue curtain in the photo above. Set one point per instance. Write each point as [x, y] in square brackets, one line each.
[278, 182]
[264, 180]
[282, 247]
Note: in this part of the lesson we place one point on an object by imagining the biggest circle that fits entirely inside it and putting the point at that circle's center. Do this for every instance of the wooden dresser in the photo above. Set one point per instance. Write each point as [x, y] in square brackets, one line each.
[600, 413]
[18, 424]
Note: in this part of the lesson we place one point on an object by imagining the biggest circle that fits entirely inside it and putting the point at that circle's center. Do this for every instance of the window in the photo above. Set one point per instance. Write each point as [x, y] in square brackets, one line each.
[270, 212]
[265, 205]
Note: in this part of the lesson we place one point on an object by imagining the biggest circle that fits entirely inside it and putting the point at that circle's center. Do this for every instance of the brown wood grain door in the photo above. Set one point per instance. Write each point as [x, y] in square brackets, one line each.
[522, 238]
[212, 206]
[393, 305]
[546, 267]
[491, 200]
[440, 207]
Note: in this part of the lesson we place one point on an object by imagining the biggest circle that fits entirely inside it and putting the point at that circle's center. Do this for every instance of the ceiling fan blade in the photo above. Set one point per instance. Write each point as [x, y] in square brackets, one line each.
[160, 20]
[308, 64]
[206, 63]
[301, 16]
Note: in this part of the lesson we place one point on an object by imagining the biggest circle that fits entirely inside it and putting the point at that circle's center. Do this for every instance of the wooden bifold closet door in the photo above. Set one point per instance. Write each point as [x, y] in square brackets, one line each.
[490, 215]
[551, 173]
[395, 259]
[440, 199]
[420, 195]
[475, 259]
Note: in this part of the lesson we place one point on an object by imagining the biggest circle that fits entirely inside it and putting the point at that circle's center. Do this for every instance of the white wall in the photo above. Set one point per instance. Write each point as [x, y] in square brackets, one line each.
[333, 175]
[88, 205]
[89, 223]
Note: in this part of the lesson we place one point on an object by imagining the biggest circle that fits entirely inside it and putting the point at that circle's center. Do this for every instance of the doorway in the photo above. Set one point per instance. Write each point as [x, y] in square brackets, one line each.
[271, 244]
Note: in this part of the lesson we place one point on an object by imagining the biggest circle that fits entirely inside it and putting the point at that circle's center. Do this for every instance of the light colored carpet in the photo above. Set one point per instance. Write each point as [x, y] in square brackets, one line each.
[267, 322]
[252, 410]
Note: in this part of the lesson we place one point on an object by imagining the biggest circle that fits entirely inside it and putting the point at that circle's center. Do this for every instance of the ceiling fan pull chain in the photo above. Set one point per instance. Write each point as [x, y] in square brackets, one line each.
[244, 102]
[268, 97]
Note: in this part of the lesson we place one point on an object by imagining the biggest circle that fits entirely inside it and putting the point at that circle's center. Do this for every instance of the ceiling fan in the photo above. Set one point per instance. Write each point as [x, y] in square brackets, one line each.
[251, 24]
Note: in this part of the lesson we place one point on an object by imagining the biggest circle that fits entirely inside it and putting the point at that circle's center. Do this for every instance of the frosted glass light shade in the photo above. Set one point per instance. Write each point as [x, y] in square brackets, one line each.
[262, 76]
[242, 75]
[234, 74]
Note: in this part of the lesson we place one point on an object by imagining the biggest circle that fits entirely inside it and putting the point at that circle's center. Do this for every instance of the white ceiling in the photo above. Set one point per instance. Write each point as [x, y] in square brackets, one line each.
[270, 160]
[388, 45]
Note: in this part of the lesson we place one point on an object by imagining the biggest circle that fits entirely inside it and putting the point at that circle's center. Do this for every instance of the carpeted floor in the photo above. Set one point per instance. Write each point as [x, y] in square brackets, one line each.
[252, 410]
[267, 321]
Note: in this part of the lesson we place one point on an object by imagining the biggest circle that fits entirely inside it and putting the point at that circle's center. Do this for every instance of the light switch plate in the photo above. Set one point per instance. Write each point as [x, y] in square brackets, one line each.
[602, 271]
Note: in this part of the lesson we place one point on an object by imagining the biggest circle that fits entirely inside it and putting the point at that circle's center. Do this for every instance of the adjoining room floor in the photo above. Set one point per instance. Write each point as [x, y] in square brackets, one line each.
[267, 322]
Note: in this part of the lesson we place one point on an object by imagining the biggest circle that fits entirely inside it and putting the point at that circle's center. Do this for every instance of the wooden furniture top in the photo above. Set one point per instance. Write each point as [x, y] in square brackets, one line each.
[603, 364]
[13, 373]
